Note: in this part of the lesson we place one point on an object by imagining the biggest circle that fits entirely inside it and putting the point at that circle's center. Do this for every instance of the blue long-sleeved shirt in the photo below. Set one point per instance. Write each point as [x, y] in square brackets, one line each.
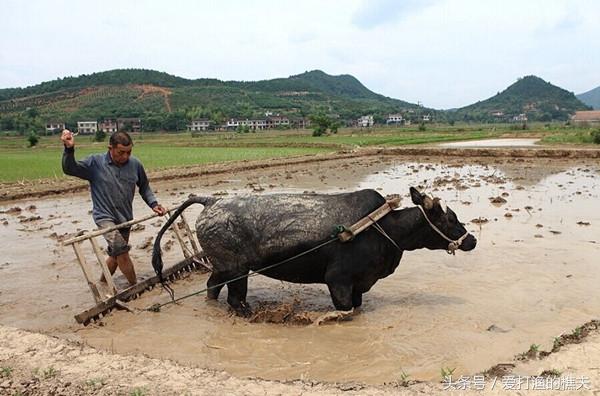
[112, 186]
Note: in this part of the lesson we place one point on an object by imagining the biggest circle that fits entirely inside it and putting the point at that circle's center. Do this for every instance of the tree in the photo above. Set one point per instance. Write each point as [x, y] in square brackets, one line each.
[321, 122]
[7, 123]
[32, 112]
[596, 136]
[99, 136]
[33, 138]
[243, 129]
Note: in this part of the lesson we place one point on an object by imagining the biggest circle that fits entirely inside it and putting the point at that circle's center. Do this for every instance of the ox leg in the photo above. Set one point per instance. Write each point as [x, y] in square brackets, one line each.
[213, 292]
[356, 298]
[341, 295]
[236, 297]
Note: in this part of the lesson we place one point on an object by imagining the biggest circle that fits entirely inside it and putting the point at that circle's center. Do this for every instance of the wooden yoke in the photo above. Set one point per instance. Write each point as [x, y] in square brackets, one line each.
[349, 233]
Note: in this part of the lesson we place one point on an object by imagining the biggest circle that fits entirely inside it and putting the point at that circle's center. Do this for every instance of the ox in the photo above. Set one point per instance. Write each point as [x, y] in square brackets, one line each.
[245, 233]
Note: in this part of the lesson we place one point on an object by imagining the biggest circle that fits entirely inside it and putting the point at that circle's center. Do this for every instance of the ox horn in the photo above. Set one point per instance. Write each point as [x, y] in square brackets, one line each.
[427, 202]
[443, 205]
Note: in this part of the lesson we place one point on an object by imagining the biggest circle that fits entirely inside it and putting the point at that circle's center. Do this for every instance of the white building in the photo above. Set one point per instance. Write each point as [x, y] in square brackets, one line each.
[520, 118]
[427, 118]
[252, 124]
[277, 122]
[199, 125]
[108, 126]
[52, 126]
[394, 119]
[232, 123]
[87, 127]
[365, 121]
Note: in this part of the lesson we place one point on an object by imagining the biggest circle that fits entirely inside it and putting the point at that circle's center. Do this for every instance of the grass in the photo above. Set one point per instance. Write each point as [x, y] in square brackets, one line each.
[161, 150]
[446, 372]
[551, 373]
[570, 137]
[95, 383]
[404, 379]
[6, 372]
[49, 372]
[139, 391]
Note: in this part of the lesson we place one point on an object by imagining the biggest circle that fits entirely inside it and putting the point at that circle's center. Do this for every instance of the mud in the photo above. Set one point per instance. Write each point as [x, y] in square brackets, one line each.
[435, 311]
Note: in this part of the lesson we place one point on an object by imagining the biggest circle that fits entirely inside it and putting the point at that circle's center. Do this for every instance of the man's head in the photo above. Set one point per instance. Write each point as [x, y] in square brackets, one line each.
[120, 146]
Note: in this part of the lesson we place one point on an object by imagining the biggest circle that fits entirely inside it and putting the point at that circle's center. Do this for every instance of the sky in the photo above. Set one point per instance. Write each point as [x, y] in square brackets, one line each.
[439, 53]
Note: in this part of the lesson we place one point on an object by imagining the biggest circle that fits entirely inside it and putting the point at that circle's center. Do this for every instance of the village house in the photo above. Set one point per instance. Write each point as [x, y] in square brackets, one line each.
[52, 126]
[254, 125]
[108, 126]
[394, 119]
[520, 118]
[87, 127]
[129, 124]
[365, 121]
[232, 124]
[426, 118]
[589, 117]
[201, 124]
[277, 122]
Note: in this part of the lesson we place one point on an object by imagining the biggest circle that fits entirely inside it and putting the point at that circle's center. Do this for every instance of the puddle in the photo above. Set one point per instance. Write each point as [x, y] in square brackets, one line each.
[532, 276]
[492, 143]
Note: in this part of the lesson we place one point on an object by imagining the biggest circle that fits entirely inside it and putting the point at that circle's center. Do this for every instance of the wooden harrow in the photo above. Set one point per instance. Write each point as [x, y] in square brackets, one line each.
[194, 260]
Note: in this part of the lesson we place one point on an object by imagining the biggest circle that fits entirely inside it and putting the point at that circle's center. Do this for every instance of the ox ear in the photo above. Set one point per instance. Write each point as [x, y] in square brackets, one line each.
[421, 199]
[416, 196]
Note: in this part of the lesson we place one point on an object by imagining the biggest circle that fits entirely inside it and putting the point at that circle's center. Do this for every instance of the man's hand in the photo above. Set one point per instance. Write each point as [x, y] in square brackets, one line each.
[159, 210]
[67, 138]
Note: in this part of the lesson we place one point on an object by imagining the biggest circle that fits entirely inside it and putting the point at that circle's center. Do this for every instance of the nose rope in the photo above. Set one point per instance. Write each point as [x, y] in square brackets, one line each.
[453, 245]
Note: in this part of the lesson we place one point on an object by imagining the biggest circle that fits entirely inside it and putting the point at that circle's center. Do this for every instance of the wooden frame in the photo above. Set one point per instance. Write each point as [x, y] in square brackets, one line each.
[195, 259]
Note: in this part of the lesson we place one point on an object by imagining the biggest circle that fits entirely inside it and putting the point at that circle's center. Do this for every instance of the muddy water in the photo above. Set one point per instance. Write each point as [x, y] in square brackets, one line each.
[533, 276]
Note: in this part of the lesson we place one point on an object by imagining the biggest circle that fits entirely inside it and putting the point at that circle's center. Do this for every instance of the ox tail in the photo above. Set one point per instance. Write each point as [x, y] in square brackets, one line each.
[157, 262]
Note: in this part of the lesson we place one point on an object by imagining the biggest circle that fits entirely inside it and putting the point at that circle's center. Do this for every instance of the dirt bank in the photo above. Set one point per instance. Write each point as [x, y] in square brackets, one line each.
[37, 364]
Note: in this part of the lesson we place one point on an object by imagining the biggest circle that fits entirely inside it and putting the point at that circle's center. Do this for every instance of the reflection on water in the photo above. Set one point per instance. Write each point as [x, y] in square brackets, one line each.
[532, 276]
[492, 143]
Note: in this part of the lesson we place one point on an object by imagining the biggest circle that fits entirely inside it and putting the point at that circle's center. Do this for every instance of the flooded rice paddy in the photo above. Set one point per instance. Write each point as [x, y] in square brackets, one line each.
[533, 275]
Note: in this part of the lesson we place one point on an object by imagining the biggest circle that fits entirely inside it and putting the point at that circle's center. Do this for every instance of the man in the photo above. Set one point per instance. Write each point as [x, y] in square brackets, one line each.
[113, 177]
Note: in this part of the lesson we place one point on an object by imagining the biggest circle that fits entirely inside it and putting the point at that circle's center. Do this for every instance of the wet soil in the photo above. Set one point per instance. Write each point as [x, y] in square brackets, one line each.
[532, 276]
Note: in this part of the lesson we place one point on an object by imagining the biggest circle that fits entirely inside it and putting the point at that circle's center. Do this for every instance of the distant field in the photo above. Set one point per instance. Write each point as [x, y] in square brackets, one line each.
[39, 163]
[162, 150]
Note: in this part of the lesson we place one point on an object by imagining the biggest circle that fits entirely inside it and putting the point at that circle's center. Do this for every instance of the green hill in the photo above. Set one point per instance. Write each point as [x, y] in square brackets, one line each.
[155, 97]
[591, 98]
[537, 99]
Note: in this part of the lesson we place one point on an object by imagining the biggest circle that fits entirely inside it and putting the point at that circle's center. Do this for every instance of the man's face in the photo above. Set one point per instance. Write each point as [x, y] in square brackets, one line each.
[120, 154]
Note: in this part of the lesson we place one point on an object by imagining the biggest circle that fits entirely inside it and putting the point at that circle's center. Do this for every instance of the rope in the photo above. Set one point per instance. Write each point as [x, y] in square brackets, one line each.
[156, 307]
[382, 232]
[453, 245]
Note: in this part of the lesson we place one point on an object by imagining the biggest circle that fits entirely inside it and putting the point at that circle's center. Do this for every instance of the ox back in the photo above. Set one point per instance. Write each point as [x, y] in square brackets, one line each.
[251, 232]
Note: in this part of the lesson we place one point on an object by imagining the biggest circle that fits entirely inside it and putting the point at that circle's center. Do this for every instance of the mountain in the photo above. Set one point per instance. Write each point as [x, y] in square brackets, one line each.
[591, 98]
[148, 93]
[537, 99]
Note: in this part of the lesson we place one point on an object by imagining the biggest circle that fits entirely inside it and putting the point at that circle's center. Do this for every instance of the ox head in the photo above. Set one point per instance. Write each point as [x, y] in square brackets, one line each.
[445, 230]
